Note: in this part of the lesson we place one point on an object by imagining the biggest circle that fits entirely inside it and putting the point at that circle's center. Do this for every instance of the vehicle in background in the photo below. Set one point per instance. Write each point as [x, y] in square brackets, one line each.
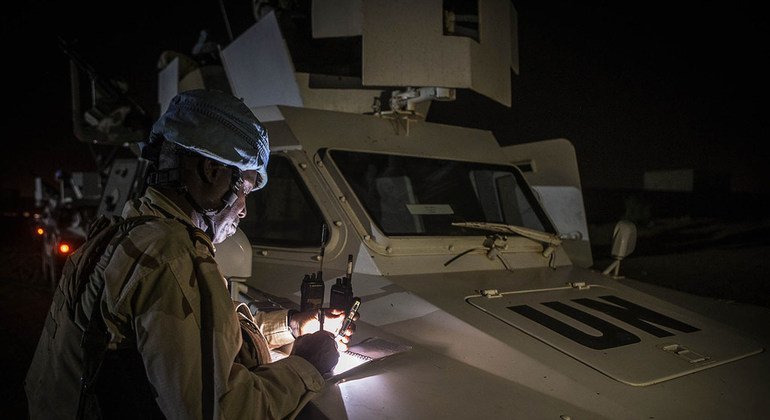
[474, 256]
[112, 123]
[63, 214]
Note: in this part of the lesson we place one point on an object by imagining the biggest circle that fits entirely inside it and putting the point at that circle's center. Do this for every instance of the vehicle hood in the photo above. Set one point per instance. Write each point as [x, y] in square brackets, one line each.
[557, 342]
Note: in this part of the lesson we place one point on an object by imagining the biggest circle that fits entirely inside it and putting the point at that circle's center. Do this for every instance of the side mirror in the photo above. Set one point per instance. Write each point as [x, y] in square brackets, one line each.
[623, 244]
[623, 239]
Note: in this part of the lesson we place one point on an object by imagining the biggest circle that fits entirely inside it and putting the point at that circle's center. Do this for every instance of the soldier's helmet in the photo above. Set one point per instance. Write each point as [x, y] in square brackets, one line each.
[216, 125]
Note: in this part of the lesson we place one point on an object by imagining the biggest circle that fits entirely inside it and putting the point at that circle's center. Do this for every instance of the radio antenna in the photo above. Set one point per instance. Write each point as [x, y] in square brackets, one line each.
[323, 248]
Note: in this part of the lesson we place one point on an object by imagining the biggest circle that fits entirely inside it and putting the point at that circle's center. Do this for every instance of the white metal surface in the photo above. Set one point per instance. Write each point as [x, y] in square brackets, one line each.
[404, 45]
[551, 168]
[259, 66]
[466, 362]
[336, 18]
[168, 84]
[635, 343]
[511, 366]
[233, 256]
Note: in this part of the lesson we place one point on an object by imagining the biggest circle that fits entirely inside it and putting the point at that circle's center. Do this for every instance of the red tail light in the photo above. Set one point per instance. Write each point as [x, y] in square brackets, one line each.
[64, 248]
[40, 231]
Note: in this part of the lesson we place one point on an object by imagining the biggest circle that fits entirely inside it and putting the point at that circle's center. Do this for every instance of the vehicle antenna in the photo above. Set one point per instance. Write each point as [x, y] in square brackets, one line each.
[321, 252]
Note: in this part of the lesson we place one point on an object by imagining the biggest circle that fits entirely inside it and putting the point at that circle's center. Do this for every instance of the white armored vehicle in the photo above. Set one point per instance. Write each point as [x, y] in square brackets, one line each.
[472, 260]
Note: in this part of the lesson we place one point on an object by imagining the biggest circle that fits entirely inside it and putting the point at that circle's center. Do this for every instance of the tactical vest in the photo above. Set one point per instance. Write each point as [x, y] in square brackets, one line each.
[92, 382]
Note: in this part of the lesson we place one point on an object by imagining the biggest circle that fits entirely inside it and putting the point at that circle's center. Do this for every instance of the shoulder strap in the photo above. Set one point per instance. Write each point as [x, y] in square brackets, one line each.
[108, 233]
[102, 234]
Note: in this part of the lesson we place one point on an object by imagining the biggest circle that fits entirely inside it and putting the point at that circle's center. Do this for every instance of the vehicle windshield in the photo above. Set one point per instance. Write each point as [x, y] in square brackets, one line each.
[407, 196]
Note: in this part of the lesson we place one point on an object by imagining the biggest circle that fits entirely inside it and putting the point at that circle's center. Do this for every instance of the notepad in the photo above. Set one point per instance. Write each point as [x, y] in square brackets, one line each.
[371, 349]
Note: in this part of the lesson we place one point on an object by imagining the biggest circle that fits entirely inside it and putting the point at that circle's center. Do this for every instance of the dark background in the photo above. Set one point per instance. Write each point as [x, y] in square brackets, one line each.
[635, 87]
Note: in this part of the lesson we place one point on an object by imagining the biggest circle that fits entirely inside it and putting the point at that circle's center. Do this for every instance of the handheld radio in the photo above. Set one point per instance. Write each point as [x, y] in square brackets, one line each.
[312, 289]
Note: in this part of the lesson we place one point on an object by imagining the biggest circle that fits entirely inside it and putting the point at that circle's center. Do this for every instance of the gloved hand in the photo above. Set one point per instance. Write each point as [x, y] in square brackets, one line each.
[307, 322]
[319, 348]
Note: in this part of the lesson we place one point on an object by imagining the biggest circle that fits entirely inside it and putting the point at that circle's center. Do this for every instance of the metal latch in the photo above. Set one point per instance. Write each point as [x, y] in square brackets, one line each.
[490, 293]
[580, 285]
[685, 353]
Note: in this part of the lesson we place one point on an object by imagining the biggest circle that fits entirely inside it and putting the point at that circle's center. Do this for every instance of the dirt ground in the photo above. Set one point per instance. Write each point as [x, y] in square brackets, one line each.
[705, 257]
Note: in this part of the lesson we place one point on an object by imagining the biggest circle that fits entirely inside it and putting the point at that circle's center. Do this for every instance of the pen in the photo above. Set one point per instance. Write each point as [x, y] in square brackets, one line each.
[349, 318]
[349, 270]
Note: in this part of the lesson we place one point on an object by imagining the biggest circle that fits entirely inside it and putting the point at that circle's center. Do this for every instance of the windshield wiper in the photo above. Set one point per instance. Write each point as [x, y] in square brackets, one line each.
[552, 240]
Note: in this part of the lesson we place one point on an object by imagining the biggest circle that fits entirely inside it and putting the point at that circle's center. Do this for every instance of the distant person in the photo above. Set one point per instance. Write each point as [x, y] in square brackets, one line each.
[146, 321]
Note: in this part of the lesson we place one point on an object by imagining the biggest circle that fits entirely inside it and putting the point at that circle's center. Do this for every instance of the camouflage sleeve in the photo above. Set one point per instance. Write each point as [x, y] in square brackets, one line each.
[275, 327]
[271, 390]
[167, 316]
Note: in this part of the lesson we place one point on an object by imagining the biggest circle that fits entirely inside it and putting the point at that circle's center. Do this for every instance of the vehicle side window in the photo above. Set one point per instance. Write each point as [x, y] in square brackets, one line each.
[283, 213]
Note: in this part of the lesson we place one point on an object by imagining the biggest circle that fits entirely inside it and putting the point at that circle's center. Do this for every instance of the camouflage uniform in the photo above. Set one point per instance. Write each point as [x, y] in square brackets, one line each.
[152, 302]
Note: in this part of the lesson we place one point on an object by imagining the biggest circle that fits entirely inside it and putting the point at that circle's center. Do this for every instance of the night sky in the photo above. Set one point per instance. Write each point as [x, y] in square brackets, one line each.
[636, 87]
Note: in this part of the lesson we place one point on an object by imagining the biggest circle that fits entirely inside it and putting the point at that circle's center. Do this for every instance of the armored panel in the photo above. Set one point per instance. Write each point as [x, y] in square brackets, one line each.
[404, 44]
[234, 256]
[357, 101]
[259, 66]
[551, 168]
[121, 186]
[168, 79]
[336, 18]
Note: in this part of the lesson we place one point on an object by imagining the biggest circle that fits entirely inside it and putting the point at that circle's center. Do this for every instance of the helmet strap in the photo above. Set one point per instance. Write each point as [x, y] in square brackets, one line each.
[228, 199]
[206, 214]
[171, 178]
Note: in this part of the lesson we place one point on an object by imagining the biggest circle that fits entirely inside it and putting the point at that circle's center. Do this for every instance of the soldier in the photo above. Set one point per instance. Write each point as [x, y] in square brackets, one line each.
[142, 324]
